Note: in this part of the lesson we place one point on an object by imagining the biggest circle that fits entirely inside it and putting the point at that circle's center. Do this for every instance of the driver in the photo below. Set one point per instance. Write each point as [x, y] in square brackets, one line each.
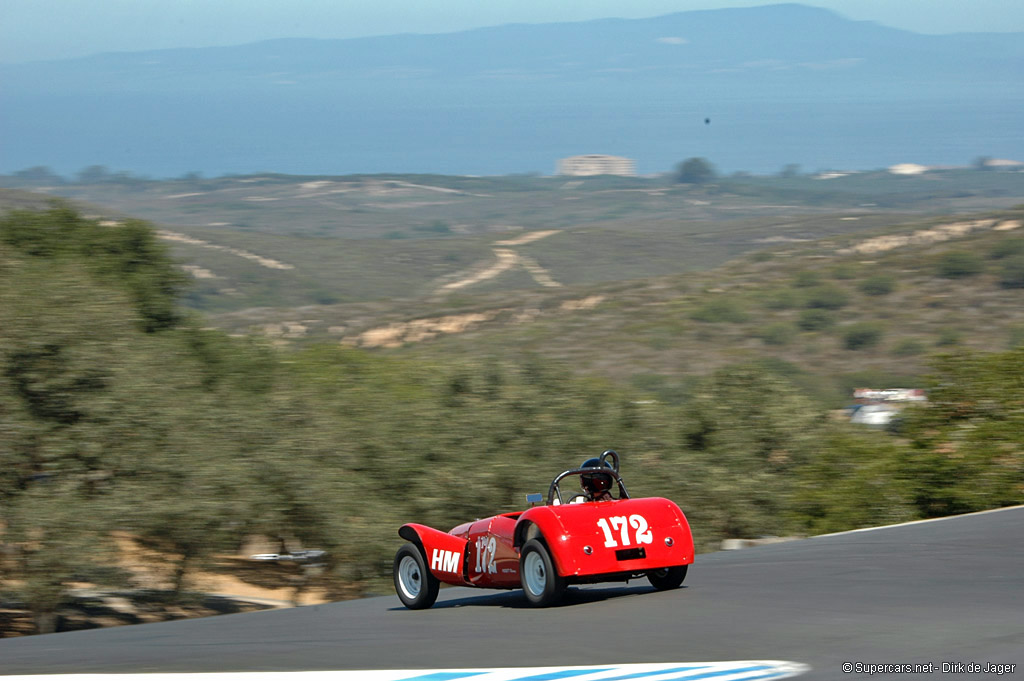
[596, 486]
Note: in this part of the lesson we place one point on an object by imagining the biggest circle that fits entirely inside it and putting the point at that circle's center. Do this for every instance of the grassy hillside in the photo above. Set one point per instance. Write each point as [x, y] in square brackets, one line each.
[637, 279]
[841, 309]
[357, 239]
[121, 416]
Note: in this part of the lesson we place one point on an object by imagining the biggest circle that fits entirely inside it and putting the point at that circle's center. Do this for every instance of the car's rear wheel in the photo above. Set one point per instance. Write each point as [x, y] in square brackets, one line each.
[667, 578]
[541, 582]
[416, 586]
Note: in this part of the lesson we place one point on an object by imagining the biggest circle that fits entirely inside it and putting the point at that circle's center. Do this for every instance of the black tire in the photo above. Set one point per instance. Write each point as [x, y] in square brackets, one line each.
[541, 582]
[667, 578]
[415, 585]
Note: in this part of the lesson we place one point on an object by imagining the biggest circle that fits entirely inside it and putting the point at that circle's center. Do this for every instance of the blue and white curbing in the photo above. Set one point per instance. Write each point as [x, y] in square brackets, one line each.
[746, 670]
[680, 671]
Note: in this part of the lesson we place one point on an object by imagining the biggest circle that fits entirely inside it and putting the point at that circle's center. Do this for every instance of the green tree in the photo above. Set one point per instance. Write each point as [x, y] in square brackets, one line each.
[53, 537]
[749, 431]
[878, 285]
[826, 297]
[959, 264]
[94, 174]
[62, 338]
[806, 279]
[126, 255]
[716, 309]
[1012, 272]
[862, 335]
[778, 333]
[815, 319]
[855, 480]
[968, 442]
[695, 171]
[1007, 247]
[38, 175]
[982, 163]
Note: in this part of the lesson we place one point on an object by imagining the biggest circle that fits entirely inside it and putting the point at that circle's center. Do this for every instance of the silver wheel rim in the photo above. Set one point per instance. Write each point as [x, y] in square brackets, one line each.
[409, 577]
[535, 574]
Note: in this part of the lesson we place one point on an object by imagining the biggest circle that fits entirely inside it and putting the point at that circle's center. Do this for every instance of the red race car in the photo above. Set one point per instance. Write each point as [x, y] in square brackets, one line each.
[592, 536]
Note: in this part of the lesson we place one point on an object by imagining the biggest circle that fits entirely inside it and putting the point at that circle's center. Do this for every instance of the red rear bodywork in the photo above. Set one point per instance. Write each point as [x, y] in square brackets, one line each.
[610, 537]
[587, 541]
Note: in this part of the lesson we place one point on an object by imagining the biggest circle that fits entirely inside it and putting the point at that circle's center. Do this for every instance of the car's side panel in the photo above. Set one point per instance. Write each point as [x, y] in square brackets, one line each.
[544, 520]
[612, 537]
[492, 561]
[445, 554]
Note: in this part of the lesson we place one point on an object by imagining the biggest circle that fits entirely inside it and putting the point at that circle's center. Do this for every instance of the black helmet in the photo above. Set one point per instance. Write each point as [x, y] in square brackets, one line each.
[595, 482]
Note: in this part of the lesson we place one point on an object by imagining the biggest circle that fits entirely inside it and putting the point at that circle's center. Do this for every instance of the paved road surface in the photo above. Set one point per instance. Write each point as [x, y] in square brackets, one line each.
[943, 591]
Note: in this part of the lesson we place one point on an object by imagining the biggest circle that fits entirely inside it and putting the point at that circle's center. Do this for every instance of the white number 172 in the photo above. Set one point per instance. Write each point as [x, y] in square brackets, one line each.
[621, 524]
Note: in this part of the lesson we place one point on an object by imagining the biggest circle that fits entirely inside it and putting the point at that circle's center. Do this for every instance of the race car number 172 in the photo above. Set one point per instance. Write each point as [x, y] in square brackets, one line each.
[621, 524]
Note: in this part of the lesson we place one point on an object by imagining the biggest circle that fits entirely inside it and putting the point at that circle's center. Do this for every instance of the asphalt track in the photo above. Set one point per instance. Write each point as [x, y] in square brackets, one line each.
[947, 591]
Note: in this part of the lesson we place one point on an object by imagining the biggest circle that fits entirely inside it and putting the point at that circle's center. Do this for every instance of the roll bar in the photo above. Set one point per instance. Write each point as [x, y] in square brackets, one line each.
[554, 491]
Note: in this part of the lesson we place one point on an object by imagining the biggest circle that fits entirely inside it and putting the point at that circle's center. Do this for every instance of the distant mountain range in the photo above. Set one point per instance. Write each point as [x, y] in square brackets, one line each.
[514, 98]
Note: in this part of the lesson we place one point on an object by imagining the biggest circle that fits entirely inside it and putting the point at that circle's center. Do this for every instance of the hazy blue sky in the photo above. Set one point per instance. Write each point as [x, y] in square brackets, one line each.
[54, 29]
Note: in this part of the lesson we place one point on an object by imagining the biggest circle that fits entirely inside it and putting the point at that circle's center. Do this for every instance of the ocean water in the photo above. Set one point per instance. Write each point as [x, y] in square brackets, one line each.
[482, 132]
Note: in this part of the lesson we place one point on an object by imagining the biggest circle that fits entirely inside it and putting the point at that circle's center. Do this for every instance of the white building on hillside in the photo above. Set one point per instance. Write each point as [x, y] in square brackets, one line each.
[908, 169]
[1002, 164]
[596, 164]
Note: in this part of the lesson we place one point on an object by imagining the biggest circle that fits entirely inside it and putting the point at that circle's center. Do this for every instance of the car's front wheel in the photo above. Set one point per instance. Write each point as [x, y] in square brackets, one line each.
[416, 586]
[667, 578]
[541, 582]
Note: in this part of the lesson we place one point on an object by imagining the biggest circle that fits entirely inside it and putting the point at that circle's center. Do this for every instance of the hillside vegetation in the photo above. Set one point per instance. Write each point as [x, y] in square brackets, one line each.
[121, 414]
[833, 313]
[275, 241]
[860, 307]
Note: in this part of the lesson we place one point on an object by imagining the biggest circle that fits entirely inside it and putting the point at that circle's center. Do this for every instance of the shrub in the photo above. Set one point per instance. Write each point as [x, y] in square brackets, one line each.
[779, 333]
[1006, 248]
[908, 347]
[1012, 274]
[948, 337]
[959, 264]
[844, 271]
[719, 310]
[878, 285]
[1016, 339]
[862, 336]
[806, 278]
[815, 319]
[325, 297]
[826, 297]
[781, 300]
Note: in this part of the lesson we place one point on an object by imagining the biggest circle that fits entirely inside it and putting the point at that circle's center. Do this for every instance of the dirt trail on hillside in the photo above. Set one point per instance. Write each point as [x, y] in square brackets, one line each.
[269, 263]
[199, 272]
[527, 238]
[374, 187]
[923, 237]
[507, 259]
[397, 334]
